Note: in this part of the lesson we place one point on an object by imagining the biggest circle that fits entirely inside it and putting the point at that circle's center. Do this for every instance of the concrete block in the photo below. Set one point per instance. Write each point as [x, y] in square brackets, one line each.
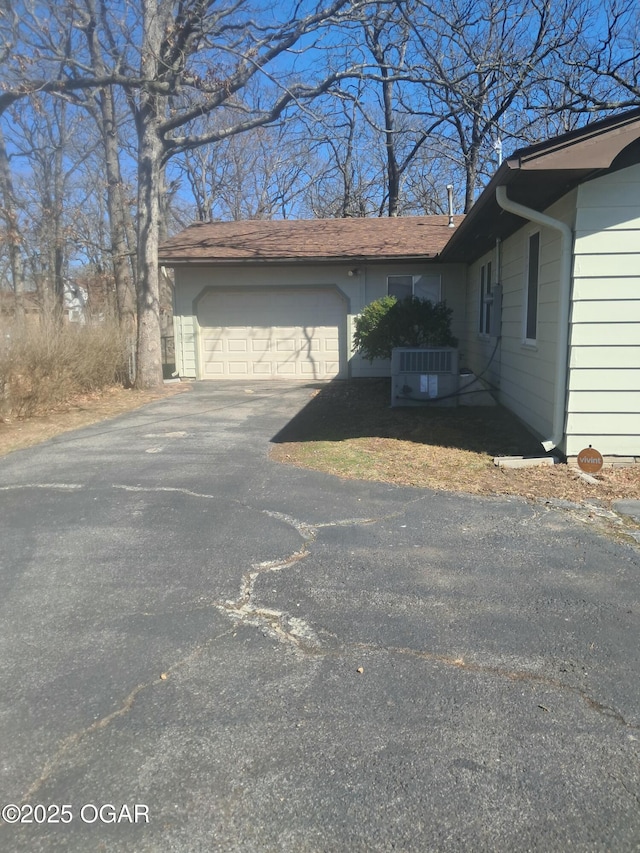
[523, 461]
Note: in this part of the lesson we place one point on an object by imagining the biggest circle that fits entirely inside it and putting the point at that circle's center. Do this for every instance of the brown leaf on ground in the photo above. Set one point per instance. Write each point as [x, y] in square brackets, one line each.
[349, 429]
[81, 411]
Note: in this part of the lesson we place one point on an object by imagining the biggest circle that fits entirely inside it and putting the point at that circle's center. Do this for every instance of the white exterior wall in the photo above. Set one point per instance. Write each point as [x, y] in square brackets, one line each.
[604, 376]
[360, 289]
[523, 374]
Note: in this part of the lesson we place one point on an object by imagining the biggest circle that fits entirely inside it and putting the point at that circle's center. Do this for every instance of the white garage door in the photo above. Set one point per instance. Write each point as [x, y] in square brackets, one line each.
[270, 333]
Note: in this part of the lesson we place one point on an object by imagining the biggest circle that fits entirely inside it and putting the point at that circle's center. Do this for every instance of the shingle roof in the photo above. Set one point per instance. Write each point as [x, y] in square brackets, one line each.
[536, 176]
[310, 240]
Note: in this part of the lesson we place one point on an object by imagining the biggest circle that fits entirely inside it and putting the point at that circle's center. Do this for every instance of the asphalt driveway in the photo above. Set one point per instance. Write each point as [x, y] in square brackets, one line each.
[203, 650]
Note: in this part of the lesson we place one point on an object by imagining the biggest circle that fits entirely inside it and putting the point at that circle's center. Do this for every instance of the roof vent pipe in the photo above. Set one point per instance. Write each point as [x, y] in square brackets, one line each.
[450, 198]
[564, 306]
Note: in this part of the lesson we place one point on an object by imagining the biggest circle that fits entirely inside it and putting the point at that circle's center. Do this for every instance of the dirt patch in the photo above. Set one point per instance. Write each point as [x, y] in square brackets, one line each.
[349, 429]
[79, 412]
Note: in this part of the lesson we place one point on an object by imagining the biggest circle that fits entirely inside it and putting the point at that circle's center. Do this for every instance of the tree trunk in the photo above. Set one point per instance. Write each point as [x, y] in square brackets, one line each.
[149, 350]
[119, 219]
[13, 233]
[393, 172]
[471, 178]
[58, 249]
[148, 117]
[121, 230]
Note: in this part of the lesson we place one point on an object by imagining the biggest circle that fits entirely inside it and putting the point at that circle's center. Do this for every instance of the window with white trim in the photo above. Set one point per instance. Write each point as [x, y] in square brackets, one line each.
[422, 286]
[531, 294]
[486, 288]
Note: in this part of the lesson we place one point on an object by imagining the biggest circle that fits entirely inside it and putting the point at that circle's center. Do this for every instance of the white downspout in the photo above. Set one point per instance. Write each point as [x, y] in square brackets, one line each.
[564, 306]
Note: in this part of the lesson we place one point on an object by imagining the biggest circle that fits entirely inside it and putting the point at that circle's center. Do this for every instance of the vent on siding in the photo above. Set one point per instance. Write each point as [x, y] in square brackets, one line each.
[426, 361]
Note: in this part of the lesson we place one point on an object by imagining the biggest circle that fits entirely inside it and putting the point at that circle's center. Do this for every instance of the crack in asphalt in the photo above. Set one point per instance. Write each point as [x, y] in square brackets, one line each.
[177, 489]
[609, 520]
[101, 723]
[286, 628]
[67, 487]
[306, 641]
[502, 672]
[632, 794]
[279, 623]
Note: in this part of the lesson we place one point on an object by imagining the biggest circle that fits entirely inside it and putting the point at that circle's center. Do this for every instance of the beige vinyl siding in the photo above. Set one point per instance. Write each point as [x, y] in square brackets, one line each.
[608, 218]
[606, 266]
[611, 401]
[368, 283]
[605, 334]
[184, 332]
[611, 445]
[523, 374]
[606, 425]
[595, 311]
[591, 289]
[452, 291]
[476, 349]
[604, 376]
[586, 379]
[606, 359]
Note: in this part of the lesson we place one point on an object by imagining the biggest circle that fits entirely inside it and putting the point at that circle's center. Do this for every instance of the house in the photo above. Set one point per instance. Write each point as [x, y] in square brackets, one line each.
[75, 301]
[278, 298]
[543, 276]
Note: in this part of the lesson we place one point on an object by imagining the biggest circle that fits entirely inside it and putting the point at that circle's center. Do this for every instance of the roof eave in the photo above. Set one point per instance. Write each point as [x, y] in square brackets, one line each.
[540, 175]
[594, 146]
[323, 260]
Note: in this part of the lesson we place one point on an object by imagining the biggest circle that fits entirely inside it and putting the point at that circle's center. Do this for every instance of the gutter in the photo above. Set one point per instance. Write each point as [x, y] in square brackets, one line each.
[566, 234]
[324, 260]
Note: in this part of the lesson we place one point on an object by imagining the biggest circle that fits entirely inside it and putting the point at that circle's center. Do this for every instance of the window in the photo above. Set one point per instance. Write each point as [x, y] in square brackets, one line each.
[400, 286]
[531, 304]
[486, 287]
[422, 286]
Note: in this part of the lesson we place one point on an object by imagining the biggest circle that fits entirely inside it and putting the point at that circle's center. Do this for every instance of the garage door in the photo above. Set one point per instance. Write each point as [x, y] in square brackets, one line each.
[270, 333]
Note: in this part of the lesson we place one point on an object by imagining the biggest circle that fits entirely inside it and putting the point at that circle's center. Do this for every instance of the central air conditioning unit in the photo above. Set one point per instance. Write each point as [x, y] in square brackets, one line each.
[420, 376]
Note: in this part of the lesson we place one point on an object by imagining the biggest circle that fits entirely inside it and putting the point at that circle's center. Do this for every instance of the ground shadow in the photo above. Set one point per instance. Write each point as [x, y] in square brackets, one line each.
[361, 408]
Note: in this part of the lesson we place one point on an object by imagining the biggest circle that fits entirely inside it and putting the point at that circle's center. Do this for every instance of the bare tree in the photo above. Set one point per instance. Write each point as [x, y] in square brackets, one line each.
[387, 32]
[386, 37]
[50, 142]
[347, 175]
[604, 70]
[478, 63]
[425, 185]
[238, 49]
[177, 62]
[101, 104]
[258, 175]
[9, 212]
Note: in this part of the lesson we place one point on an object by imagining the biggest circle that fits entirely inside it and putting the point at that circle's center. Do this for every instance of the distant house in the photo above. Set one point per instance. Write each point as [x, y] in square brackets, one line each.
[543, 276]
[75, 299]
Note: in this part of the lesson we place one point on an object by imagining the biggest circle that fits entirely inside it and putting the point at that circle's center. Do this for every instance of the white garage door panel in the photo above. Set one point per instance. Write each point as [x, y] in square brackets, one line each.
[263, 334]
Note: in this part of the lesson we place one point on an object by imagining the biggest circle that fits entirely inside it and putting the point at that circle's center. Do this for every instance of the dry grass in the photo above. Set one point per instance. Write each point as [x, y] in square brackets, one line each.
[348, 429]
[44, 365]
[80, 411]
[55, 378]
